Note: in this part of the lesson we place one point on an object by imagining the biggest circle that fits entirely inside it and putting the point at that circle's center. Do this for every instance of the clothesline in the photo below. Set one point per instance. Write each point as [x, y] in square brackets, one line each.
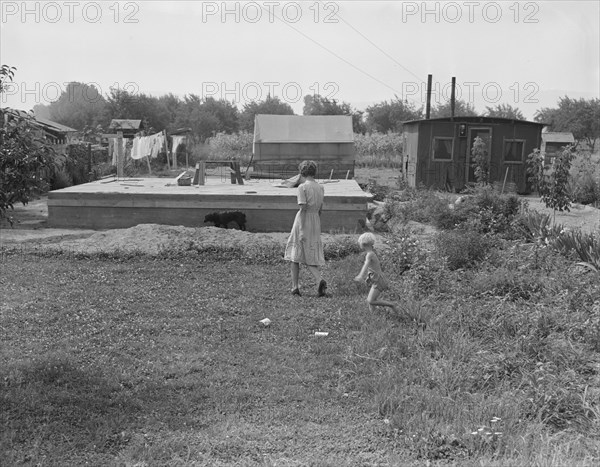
[146, 147]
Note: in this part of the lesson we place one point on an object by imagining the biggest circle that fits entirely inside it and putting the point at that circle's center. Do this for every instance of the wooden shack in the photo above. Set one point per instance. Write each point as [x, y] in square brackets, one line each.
[553, 142]
[437, 151]
[129, 127]
[281, 142]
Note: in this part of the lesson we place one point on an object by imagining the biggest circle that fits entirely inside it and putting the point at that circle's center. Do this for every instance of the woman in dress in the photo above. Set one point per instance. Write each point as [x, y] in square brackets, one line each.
[304, 245]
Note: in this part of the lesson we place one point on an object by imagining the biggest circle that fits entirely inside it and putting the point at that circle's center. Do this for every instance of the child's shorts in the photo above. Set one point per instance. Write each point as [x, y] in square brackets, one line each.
[379, 283]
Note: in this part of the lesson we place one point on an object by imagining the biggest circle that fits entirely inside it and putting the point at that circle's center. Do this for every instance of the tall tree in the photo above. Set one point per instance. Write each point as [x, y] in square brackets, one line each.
[270, 106]
[504, 111]
[579, 116]
[152, 110]
[461, 109]
[42, 111]
[318, 105]
[78, 106]
[207, 117]
[389, 116]
[23, 154]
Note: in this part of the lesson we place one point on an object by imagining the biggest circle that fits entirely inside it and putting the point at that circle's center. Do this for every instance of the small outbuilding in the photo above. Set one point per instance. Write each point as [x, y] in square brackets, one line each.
[437, 151]
[129, 127]
[555, 141]
[281, 142]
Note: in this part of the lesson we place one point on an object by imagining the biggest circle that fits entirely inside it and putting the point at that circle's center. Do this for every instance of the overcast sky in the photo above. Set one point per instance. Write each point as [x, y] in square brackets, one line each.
[526, 54]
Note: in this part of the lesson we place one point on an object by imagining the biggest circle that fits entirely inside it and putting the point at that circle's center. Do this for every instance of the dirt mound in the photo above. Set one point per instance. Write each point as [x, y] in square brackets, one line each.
[152, 239]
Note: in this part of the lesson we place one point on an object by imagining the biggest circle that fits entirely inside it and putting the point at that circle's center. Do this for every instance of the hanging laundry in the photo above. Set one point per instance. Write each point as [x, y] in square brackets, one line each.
[147, 146]
[112, 149]
[177, 140]
[136, 148]
[156, 144]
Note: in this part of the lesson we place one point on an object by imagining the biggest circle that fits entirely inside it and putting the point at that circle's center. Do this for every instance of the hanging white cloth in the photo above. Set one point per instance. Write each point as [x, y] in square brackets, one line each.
[112, 149]
[147, 146]
[177, 140]
[136, 148]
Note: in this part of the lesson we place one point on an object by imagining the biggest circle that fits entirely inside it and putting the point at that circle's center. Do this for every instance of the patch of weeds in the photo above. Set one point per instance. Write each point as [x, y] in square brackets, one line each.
[423, 206]
[340, 248]
[404, 251]
[508, 285]
[379, 192]
[428, 276]
[461, 248]
[556, 398]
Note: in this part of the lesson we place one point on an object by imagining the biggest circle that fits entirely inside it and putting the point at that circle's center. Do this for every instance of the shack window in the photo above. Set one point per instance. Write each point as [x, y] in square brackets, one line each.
[513, 150]
[442, 148]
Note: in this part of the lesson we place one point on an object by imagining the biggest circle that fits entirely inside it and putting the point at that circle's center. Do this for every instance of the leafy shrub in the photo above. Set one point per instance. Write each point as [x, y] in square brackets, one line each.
[586, 190]
[487, 211]
[60, 179]
[423, 206]
[340, 248]
[428, 277]
[404, 251]
[552, 182]
[461, 248]
[534, 226]
[584, 183]
[26, 160]
[379, 192]
[586, 246]
[231, 146]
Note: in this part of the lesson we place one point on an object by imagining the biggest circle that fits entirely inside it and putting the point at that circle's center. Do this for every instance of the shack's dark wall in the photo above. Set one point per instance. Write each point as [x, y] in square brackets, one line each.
[282, 159]
[454, 174]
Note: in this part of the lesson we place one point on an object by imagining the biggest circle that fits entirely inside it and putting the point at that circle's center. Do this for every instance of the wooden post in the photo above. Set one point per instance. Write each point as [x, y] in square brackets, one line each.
[238, 173]
[119, 144]
[196, 174]
[187, 162]
[202, 173]
[428, 105]
[505, 176]
[232, 172]
[89, 154]
[149, 168]
[199, 174]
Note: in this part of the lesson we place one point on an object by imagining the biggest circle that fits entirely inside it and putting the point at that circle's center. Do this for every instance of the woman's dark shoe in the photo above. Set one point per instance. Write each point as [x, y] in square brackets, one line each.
[322, 288]
[296, 292]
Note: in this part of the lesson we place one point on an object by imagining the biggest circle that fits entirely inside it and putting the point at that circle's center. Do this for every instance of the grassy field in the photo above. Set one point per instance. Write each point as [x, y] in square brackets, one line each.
[125, 359]
[137, 360]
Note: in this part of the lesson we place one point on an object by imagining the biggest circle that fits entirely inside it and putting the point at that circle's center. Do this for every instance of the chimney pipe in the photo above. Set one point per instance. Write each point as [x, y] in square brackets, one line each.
[428, 108]
[452, 97]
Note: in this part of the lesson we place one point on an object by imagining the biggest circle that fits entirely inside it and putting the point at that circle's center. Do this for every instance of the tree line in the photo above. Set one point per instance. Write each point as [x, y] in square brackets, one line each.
[82, 107]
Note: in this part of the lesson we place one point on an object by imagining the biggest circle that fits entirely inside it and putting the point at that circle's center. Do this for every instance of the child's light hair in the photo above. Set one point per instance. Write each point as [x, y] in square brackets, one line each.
[366, 239]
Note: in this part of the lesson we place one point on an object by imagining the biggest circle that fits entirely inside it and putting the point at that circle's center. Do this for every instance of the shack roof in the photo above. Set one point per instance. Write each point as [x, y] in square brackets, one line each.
[124, 124]
[41, 122]
[557, 137]
[55, 126]
[477, 119]
[303, 129]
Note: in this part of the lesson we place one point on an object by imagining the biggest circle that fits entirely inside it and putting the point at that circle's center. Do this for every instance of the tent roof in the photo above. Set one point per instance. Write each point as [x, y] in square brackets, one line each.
[303, 129]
